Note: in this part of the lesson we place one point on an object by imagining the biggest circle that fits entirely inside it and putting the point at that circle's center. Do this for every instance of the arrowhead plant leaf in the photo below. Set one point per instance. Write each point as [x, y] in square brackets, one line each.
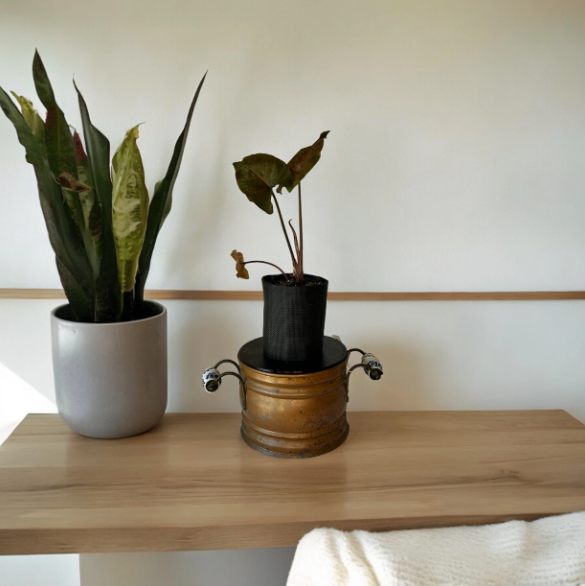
[256, 175]
[160, 205]
[304, 161]
[129, 208]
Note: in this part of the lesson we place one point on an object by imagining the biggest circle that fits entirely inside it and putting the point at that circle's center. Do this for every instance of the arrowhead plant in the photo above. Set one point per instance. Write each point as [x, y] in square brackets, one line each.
[257, 176]
[101, 222]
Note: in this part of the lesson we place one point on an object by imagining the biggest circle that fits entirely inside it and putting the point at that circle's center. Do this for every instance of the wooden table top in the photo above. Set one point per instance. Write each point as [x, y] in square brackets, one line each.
[192, 483]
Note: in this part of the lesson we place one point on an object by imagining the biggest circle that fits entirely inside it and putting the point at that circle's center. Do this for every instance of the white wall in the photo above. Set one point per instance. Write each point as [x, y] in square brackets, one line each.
[456, 161]
[457, 145]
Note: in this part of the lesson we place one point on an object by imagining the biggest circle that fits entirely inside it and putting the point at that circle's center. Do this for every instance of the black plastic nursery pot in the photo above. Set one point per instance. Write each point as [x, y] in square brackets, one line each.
[294, 318]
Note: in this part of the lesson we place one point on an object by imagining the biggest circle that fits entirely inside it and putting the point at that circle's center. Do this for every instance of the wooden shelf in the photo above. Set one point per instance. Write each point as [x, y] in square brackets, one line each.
[193, 484]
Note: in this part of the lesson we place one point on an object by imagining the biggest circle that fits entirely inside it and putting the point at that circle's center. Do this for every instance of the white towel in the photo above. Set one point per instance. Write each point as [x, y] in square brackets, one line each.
[546, 552]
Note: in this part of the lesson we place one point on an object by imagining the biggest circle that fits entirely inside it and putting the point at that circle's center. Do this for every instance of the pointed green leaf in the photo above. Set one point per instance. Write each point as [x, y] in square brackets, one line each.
[31, 117]
[108, 292]
[130, 207]
[160, 205]
[82, 307]
[92, 222]
[58, 138]
[86, 213]
[83, 169]
[67, 242]
[71, 197]
[304, 161]
[258, 174]
[64, 235]
[34, 148]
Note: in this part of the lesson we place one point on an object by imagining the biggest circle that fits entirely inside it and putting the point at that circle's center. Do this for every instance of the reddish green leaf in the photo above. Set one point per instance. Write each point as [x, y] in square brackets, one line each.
[258, 174]
[58, 138]
[304, 161]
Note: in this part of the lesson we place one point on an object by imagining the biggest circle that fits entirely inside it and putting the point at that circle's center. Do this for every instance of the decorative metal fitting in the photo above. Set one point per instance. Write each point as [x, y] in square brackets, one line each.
[211, 379]
[372, 366]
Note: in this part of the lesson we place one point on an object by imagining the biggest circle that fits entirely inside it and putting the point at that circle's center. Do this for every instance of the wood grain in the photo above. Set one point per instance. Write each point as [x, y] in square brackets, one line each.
[187, 295]
[192, 483]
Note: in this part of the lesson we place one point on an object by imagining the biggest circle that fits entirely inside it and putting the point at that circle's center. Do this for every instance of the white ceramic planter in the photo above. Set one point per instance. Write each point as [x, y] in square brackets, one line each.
[110, 379]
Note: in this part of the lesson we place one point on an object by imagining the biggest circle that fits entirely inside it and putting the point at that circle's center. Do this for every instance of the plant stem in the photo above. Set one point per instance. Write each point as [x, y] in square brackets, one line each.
[266, 263]
[294, 261]
[296, 240]
[301, 250]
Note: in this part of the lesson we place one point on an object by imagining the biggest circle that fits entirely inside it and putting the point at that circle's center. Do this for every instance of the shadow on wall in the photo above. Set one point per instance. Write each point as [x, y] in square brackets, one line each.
[202, 336]
[402, 387]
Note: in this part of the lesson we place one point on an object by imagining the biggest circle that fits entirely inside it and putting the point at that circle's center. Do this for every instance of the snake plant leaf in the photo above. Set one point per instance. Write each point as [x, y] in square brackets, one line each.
[58, 138]
[81, 305]
[64, 234]
[83, 169]
[97, 165]
[129, 208]
[34, 148]
[87, 215]
[31, 117]
[90, 207]
[92, 234]
[304, 161]
[256, 175]
[67, 242]
[160, 205]
[71, 188]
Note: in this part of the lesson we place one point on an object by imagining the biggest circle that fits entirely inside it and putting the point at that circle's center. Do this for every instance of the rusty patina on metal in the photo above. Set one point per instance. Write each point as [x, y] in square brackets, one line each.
[295, 416]
[293, 409]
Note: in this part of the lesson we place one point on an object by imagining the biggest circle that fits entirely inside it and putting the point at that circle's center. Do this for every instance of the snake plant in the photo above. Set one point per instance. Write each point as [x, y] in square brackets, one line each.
[101, 222]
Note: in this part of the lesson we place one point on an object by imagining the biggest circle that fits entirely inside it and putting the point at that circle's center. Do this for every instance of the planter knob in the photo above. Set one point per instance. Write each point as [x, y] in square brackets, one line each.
[370, 364]
[211, 379]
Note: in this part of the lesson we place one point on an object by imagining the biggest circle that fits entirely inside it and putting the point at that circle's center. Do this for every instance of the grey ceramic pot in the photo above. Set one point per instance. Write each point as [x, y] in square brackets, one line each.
[110, 379]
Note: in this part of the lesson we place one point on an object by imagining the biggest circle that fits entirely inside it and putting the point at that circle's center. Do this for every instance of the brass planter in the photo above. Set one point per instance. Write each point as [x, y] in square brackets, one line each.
[293, 410]
[295, 416]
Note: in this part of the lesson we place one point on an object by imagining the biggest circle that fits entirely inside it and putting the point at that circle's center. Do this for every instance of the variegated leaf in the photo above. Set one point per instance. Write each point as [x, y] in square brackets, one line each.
[129, 207]
[31, 117]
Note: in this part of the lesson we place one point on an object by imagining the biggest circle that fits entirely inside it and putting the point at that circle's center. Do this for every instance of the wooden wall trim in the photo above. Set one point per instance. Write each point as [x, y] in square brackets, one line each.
[333, 296]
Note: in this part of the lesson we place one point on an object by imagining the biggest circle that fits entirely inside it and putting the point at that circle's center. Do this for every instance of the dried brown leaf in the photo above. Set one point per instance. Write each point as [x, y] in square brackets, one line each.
[241, 270]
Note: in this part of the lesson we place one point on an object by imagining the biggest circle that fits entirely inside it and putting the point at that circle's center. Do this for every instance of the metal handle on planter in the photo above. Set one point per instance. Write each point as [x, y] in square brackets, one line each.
[211, 379]
[370, 364]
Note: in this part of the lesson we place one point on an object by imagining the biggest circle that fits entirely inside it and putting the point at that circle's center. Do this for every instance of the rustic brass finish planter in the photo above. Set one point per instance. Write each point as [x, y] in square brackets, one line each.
[293, 410]
[295, 416]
